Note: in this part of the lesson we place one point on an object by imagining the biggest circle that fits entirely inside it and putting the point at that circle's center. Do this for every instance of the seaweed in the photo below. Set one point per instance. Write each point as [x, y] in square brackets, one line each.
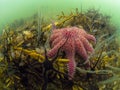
[24, 64]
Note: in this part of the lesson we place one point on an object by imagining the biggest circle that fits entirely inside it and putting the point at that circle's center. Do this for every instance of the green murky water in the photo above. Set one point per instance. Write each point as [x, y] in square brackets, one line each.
[11, 10]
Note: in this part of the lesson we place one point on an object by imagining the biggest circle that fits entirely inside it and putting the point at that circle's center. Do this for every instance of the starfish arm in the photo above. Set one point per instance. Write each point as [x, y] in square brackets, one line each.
[54, 36]
[86, 35]
[70, 53]
[80, 49]
[90, 38]
[54, 50]
[56, 31]
[81, 32]
[86, 44]
[56, 41]
[71, 68]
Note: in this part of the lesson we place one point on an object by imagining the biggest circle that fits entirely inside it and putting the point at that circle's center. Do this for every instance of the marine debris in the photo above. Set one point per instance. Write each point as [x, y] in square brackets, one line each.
[30, 60]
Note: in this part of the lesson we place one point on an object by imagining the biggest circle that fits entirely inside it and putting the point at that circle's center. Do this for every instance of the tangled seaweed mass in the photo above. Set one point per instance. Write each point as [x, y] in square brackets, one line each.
[71, 41]
[27, 63]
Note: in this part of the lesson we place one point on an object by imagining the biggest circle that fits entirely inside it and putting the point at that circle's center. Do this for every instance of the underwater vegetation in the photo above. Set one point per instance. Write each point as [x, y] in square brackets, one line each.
[38, 55]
